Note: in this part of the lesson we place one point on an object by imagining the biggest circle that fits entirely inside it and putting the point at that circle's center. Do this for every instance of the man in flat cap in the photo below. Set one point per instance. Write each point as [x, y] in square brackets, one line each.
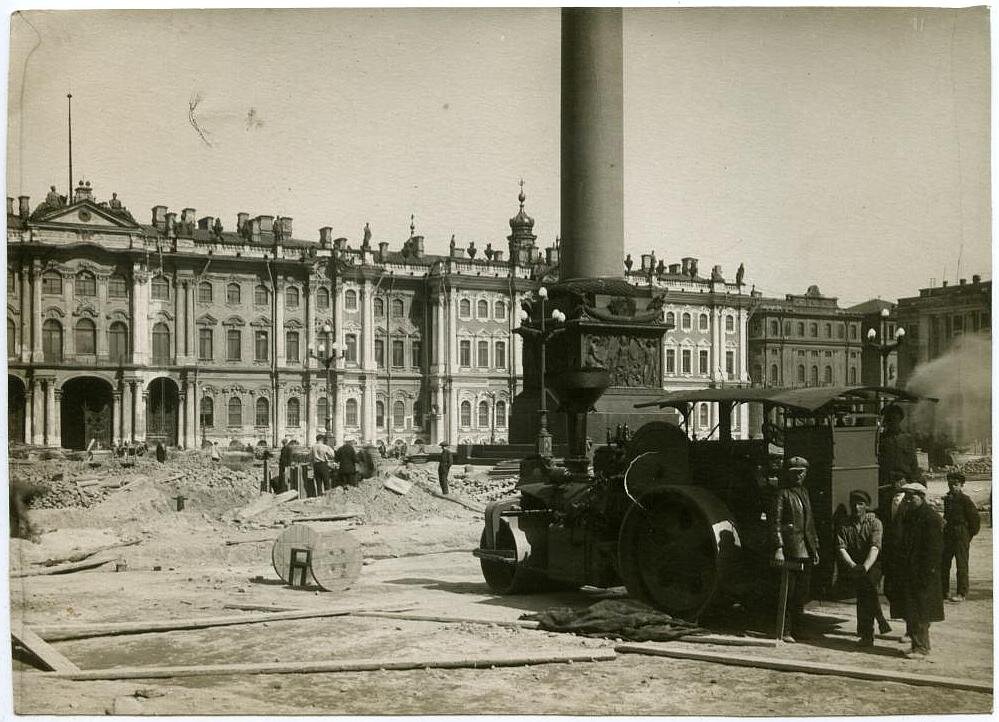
[796, 544]
[858, 543]
[920, 551]
[444, 467]
[961, 523]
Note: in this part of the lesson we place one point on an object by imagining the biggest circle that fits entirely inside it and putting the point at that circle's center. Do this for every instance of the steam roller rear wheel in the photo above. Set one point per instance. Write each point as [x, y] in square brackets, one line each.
[510, 577]
[668, 554]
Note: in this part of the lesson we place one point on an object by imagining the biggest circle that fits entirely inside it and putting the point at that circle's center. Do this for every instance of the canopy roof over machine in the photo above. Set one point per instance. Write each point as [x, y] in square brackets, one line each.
[806, 400]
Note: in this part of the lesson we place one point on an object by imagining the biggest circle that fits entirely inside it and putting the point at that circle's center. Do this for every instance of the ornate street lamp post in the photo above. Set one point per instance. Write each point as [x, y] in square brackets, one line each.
[887, 345]
[327, 354]
[543, 334]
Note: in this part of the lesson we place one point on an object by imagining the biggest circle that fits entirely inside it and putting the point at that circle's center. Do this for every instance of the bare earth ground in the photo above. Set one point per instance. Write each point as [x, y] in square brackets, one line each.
[417, 558]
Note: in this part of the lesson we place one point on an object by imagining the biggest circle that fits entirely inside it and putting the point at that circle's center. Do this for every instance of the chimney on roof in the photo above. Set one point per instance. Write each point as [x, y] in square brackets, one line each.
[285, 227]
[83, 192]
[497, 256]
[159, 216]
[383, 251]
[976, 278]
[171, 224]
[963, 281]
[265, 224]
[416, 246]
[241, 220]
[646, 261]
[685, 268]
[206, 223]
[24, 206]
[10, 206]
[674, 268]
[943, 285]
[326, 237]
[255, 228]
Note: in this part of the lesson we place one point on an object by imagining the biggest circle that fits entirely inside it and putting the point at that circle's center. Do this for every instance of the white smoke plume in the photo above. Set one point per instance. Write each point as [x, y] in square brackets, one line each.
[962, 380]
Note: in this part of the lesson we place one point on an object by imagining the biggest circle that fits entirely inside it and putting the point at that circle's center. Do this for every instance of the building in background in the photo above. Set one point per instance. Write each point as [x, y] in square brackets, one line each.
[879, 359]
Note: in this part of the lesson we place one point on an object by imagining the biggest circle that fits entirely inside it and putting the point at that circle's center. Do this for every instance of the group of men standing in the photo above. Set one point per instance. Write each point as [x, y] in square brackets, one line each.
[329, 468]
[907, 543]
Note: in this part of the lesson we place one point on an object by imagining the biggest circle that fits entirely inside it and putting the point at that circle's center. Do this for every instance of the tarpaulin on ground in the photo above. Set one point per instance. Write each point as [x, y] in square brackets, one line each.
[616, 618]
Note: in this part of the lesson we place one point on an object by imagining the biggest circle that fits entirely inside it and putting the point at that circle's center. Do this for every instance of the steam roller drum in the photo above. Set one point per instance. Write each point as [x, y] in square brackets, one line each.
[513, 576]
[336, 555]
[674, 549]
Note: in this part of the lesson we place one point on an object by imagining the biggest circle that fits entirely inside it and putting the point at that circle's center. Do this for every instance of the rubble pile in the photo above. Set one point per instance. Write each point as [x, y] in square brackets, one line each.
[483, 487]
[978, 466]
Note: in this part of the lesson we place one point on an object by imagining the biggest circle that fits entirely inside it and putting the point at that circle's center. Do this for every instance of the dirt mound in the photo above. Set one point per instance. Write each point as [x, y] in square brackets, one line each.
[978, 466]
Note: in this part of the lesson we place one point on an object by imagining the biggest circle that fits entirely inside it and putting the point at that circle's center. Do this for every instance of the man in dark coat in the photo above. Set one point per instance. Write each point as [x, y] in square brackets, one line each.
[284, 462]
[444, 467]
[896, 449]
[795, 542]
[961, 523]
[346, 457]
[859, 544]
[918, 578]
[891, 509]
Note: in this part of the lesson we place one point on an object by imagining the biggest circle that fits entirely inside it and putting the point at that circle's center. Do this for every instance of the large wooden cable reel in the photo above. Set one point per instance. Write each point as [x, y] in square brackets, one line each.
[336, 556]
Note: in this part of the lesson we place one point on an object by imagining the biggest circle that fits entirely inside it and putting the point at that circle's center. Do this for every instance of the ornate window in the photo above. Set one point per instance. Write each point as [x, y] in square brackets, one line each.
[398, 354]
[205, 292]
[85, 337]
[483, 415]
[351, 341]
[670, 361]
[729, 324]
[233, 294]
[670, 319]
[703, 418]
[291, 347]
[350, 413]
[482, 357]
[205, 344]
[161, 344]
[263, 412]
[398, 308]
[730, 364]
[499, 310]
[466, 413]
[801, 375]
[702, 322]
[827, 376]
[415, 354]
[207, 412]
[294, 412]
[117, 287]
[350, 300]
[322, 298]
[260, 345]
[291, 297]
[86, 284]
[11, 338]
[118, 342]
[828, 330]
[261, 295]
[465, 308]
[233, 344]
[813, 330]
[501, 354]
[685, 320]
[235, 412]
[379, 353]
[801, 329]
[774, 375]
[160, 289]
[323, 413]
[840, 331]
[465, 353]
[52, 340]
[482, 309]
[379, 308]
[774, 328]
[399, 415]
[501, 414]
[380, 414]
[52, 283]
[702, 361]
[685, 358]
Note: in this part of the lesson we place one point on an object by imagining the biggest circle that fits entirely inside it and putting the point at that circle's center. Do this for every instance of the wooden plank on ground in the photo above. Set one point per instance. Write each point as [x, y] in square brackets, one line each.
[260, 608]
[329, 666]
[55, 632]
[807, 667]
[265, 502]
[460, 502]
[397, 485]
[328, 517]
[255, 540]
[413, 617]
[726, 640]
[45, 652]
[80, 556]
[62, 568]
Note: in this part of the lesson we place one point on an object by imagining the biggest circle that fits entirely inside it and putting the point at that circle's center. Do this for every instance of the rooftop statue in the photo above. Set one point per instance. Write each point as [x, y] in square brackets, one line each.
[114, 203]
[739, 274]
[366, 243]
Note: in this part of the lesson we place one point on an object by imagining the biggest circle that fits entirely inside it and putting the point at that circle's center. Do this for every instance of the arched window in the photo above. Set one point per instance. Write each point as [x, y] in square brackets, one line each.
[350, 300]
[703, 419]
[261, 295]
[235, 412]
[233, 344]
[52, 283]
[207, 412]
[685, 319]
[499, 310]
[774, 375]
[294, 412]
[814, 380]
[417, 414]
[11, 338]
[801, 329]
[322, 298]
[291, 347]
[85, 337]
[466, 413]
[399, 415]
[501, 354]
[501, 414]
[801, 375]
[758, 374]
[828, 330]
[482, 355]
[350, 413]
[774, 328]
[161, 343]
[853, 375]
[160, 289]
[379, 308]
[263, 412]
[117, 287]
[52, 340]
[730, 324]
[482, 308]
[205, 292]
[840, 330]
[813, 330]
[670, 319]
[323, 413]
[86, 284]
[398, 308]
[291, 297]
[233, 294]
[702, 322]
[380, 414]
[483, 415]
[787, 328]
[351, 351]
[465, 308]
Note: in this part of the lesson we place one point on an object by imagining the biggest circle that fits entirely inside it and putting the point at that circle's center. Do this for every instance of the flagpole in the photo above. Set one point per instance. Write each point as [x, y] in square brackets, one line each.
[69, 101]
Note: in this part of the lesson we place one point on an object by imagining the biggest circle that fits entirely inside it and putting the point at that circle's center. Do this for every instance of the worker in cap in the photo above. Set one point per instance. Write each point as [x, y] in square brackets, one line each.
[961, 523]
[284, 462]
[795, 542]
[444, 467]
[896, 448]
[917, 577]
[858, 543]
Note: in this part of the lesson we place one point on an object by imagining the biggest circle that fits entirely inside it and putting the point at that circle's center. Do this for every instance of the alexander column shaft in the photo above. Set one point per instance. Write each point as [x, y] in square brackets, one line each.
[592, 216]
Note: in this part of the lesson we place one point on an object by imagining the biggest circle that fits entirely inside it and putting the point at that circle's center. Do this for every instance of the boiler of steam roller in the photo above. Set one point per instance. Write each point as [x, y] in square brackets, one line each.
[676, 513]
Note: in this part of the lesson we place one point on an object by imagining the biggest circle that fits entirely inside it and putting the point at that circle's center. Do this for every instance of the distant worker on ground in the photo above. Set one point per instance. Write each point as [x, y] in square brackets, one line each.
[859, 544]
[322, 456]
[284, 457]
[961, 523]
[796, 544]
[160, 452]
[444, 467]
[216, 453]
[918, 576]
[346, 457]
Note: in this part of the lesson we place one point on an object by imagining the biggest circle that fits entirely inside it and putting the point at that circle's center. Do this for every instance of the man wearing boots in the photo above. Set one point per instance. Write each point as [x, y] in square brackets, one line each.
[961, 523]
[444, 467]
[918, 576]
[858, 542]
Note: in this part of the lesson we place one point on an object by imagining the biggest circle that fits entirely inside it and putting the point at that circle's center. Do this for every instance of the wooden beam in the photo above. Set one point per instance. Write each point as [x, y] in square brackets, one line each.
[472, 506]
[518, 623]
[328, 666]
[263, 503]
[807, 667]
[260, 608]
[51, 659]
[62, 568]
[726, 640]
[56, 632]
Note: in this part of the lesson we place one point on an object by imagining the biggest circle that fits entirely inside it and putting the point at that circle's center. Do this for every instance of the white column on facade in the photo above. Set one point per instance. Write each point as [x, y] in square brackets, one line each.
[310, 326]
[280, 353]
[141, 402]
[309, 404]
[55, 396]
[368, 326]
[33, 419]
[190, 414]
[116, 415]
[127, 401]
[35, 353]
[24, 327]
[281, 404]
[338, 333]
[140, 317]
[368, 419]
[190, 351]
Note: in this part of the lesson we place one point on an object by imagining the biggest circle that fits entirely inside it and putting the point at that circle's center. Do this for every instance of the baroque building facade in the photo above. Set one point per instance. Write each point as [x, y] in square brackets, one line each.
[182, 332]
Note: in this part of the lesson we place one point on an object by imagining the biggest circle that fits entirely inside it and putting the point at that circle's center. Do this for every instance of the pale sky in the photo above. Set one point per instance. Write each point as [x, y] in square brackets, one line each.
[847, 148]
